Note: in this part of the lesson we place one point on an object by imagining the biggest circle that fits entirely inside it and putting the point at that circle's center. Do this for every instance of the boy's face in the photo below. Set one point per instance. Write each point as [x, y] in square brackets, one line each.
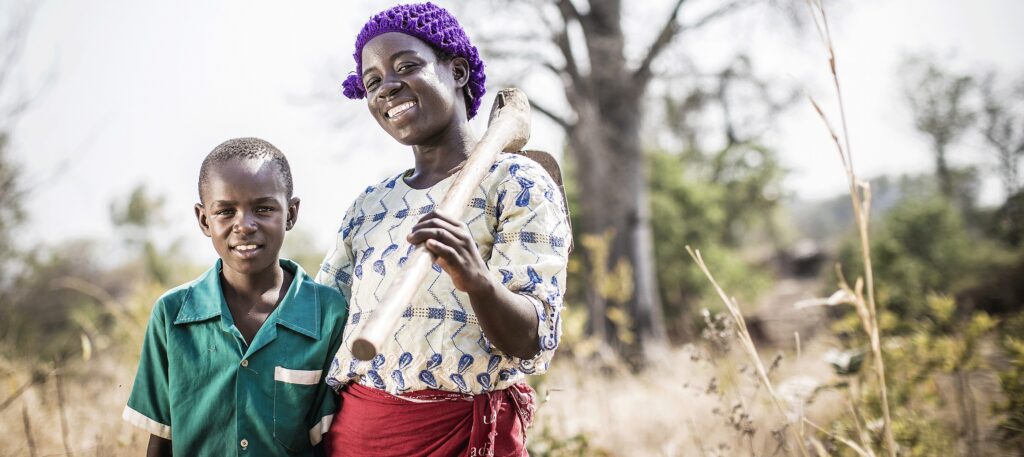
[411, 94]
[245, 211]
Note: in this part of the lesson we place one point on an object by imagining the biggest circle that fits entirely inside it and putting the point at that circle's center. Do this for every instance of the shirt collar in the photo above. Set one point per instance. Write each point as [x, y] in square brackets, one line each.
[299, 310]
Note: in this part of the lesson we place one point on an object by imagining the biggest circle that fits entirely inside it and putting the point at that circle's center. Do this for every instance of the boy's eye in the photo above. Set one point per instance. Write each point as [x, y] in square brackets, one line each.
[225, 212]
[264, 209]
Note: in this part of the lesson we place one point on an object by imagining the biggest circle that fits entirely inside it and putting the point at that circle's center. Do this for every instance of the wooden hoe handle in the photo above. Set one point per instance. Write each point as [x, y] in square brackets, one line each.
[507, 130]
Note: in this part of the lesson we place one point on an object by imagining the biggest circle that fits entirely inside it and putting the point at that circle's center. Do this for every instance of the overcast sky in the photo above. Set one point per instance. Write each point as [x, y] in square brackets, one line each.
[143, 90]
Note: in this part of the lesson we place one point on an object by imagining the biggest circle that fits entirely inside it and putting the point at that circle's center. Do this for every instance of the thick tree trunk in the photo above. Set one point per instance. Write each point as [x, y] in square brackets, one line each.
[611, 171]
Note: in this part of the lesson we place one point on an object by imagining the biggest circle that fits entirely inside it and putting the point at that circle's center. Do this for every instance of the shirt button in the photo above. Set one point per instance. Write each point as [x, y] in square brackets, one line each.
[245, 363]
[244, 443]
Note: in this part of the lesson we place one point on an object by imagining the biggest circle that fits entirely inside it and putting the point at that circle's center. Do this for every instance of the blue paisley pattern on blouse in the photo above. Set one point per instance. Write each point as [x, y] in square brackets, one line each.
[517, 217]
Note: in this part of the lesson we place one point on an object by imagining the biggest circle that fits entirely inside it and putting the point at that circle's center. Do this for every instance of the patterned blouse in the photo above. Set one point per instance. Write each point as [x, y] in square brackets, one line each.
[517, 218]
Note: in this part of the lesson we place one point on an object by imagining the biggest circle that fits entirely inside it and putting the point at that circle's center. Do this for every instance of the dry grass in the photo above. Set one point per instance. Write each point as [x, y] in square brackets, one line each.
[689, 401]
[860, 198]
[861, 296]
[32, 424]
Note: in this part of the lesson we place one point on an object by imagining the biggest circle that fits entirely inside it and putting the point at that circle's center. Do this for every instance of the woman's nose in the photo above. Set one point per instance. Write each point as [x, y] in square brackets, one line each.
[389, 87]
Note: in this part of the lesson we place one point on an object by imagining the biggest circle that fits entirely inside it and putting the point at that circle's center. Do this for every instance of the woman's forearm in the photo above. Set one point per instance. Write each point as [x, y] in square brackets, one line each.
[508, 319]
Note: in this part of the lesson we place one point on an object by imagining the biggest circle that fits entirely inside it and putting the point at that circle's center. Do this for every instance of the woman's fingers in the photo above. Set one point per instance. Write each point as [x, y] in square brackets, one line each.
[434, 223]
[452, 248]
[444, 255]
[435, 233]
[442, 216]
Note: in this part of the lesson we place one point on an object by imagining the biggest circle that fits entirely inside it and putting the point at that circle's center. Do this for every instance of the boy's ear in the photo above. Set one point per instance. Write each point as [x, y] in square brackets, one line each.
[460, 71]
[293, 213]
[204, 224]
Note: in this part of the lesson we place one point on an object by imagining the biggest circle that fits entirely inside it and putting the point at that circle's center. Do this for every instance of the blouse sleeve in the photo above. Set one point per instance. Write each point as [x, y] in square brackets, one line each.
[336, 269]
[531, 249]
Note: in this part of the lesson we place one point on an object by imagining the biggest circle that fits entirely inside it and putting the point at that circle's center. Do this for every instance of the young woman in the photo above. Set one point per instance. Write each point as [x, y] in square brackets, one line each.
[452, 379]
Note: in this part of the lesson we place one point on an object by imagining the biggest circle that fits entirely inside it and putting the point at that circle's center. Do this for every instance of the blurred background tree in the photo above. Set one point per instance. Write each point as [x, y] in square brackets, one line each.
[939, 101]
[949, 270]
[608, 93]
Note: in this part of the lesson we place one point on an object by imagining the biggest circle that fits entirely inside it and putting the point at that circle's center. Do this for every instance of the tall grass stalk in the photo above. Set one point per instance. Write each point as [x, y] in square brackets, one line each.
[29, 439]
[860, 197]
[747, 343]
[59, 381]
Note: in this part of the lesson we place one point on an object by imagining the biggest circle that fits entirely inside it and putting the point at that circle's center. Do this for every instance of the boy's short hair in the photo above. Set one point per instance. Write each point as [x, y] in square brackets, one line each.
[246, 148]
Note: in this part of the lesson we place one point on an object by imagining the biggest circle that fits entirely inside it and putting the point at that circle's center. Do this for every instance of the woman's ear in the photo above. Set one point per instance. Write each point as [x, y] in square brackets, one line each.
[460, 71]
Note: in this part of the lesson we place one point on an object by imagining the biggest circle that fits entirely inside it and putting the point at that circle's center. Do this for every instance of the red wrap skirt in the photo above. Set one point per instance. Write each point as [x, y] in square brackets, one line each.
[432, 423]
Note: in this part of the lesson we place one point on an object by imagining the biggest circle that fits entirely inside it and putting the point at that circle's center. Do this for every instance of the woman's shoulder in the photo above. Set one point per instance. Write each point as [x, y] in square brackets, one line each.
[386, 183]
[373, 192]
[513, 166]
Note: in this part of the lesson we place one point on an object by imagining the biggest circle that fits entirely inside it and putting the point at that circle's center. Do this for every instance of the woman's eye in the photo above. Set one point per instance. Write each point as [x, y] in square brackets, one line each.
[371, 84]
[405, 67]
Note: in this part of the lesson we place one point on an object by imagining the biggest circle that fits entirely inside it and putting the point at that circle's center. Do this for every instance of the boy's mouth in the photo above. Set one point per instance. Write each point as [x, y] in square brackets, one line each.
[398, 110]
[247, 250]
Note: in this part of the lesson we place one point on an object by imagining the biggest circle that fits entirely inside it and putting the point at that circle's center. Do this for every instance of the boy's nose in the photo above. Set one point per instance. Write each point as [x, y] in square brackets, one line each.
[247, 224]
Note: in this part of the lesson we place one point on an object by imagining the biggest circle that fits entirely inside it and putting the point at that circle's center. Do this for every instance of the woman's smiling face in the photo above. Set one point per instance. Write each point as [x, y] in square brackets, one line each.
[412, 94]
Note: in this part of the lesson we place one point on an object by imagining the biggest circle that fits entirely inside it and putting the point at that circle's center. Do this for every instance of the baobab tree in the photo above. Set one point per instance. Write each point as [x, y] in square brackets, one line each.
[584, 44]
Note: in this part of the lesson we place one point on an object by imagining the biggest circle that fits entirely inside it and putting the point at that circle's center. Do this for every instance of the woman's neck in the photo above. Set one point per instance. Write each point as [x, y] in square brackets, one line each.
[439, 159]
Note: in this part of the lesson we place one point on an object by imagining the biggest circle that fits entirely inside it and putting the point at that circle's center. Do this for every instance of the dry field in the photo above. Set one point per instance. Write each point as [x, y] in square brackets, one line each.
[687, 400]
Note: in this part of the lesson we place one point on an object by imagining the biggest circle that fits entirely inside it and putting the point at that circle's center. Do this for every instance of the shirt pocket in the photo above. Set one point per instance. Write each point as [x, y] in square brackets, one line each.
[294, 394]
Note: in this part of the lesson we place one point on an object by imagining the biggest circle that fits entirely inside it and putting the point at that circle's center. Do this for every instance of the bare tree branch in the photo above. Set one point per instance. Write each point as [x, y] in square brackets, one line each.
[14, 42]
[561, 121]
[561, 39]
[558, 71]
[668, 32]
[716, 14]
[671, 29]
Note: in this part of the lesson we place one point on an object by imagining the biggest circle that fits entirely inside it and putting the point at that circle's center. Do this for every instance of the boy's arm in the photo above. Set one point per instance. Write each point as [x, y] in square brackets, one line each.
[158, 447]
[149, 404]
[327, 401]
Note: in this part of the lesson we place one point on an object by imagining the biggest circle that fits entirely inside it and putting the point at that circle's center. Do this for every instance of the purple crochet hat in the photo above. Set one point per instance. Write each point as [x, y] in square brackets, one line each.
[436, 27]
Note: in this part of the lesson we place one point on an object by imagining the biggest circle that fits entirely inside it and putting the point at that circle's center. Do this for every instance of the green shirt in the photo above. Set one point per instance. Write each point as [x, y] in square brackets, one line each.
[202, 387]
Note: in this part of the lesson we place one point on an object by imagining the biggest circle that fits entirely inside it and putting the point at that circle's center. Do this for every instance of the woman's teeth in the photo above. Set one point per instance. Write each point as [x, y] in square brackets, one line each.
[398, 110]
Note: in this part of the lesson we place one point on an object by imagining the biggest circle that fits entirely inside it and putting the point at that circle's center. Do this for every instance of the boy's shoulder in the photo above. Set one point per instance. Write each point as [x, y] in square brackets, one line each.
[171, 301]
[201, 293]
[333, 307]
[323, 292]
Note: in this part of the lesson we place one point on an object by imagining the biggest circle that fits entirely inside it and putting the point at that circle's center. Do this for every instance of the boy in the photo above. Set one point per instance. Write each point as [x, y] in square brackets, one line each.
[233, 362]
[451, 380]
